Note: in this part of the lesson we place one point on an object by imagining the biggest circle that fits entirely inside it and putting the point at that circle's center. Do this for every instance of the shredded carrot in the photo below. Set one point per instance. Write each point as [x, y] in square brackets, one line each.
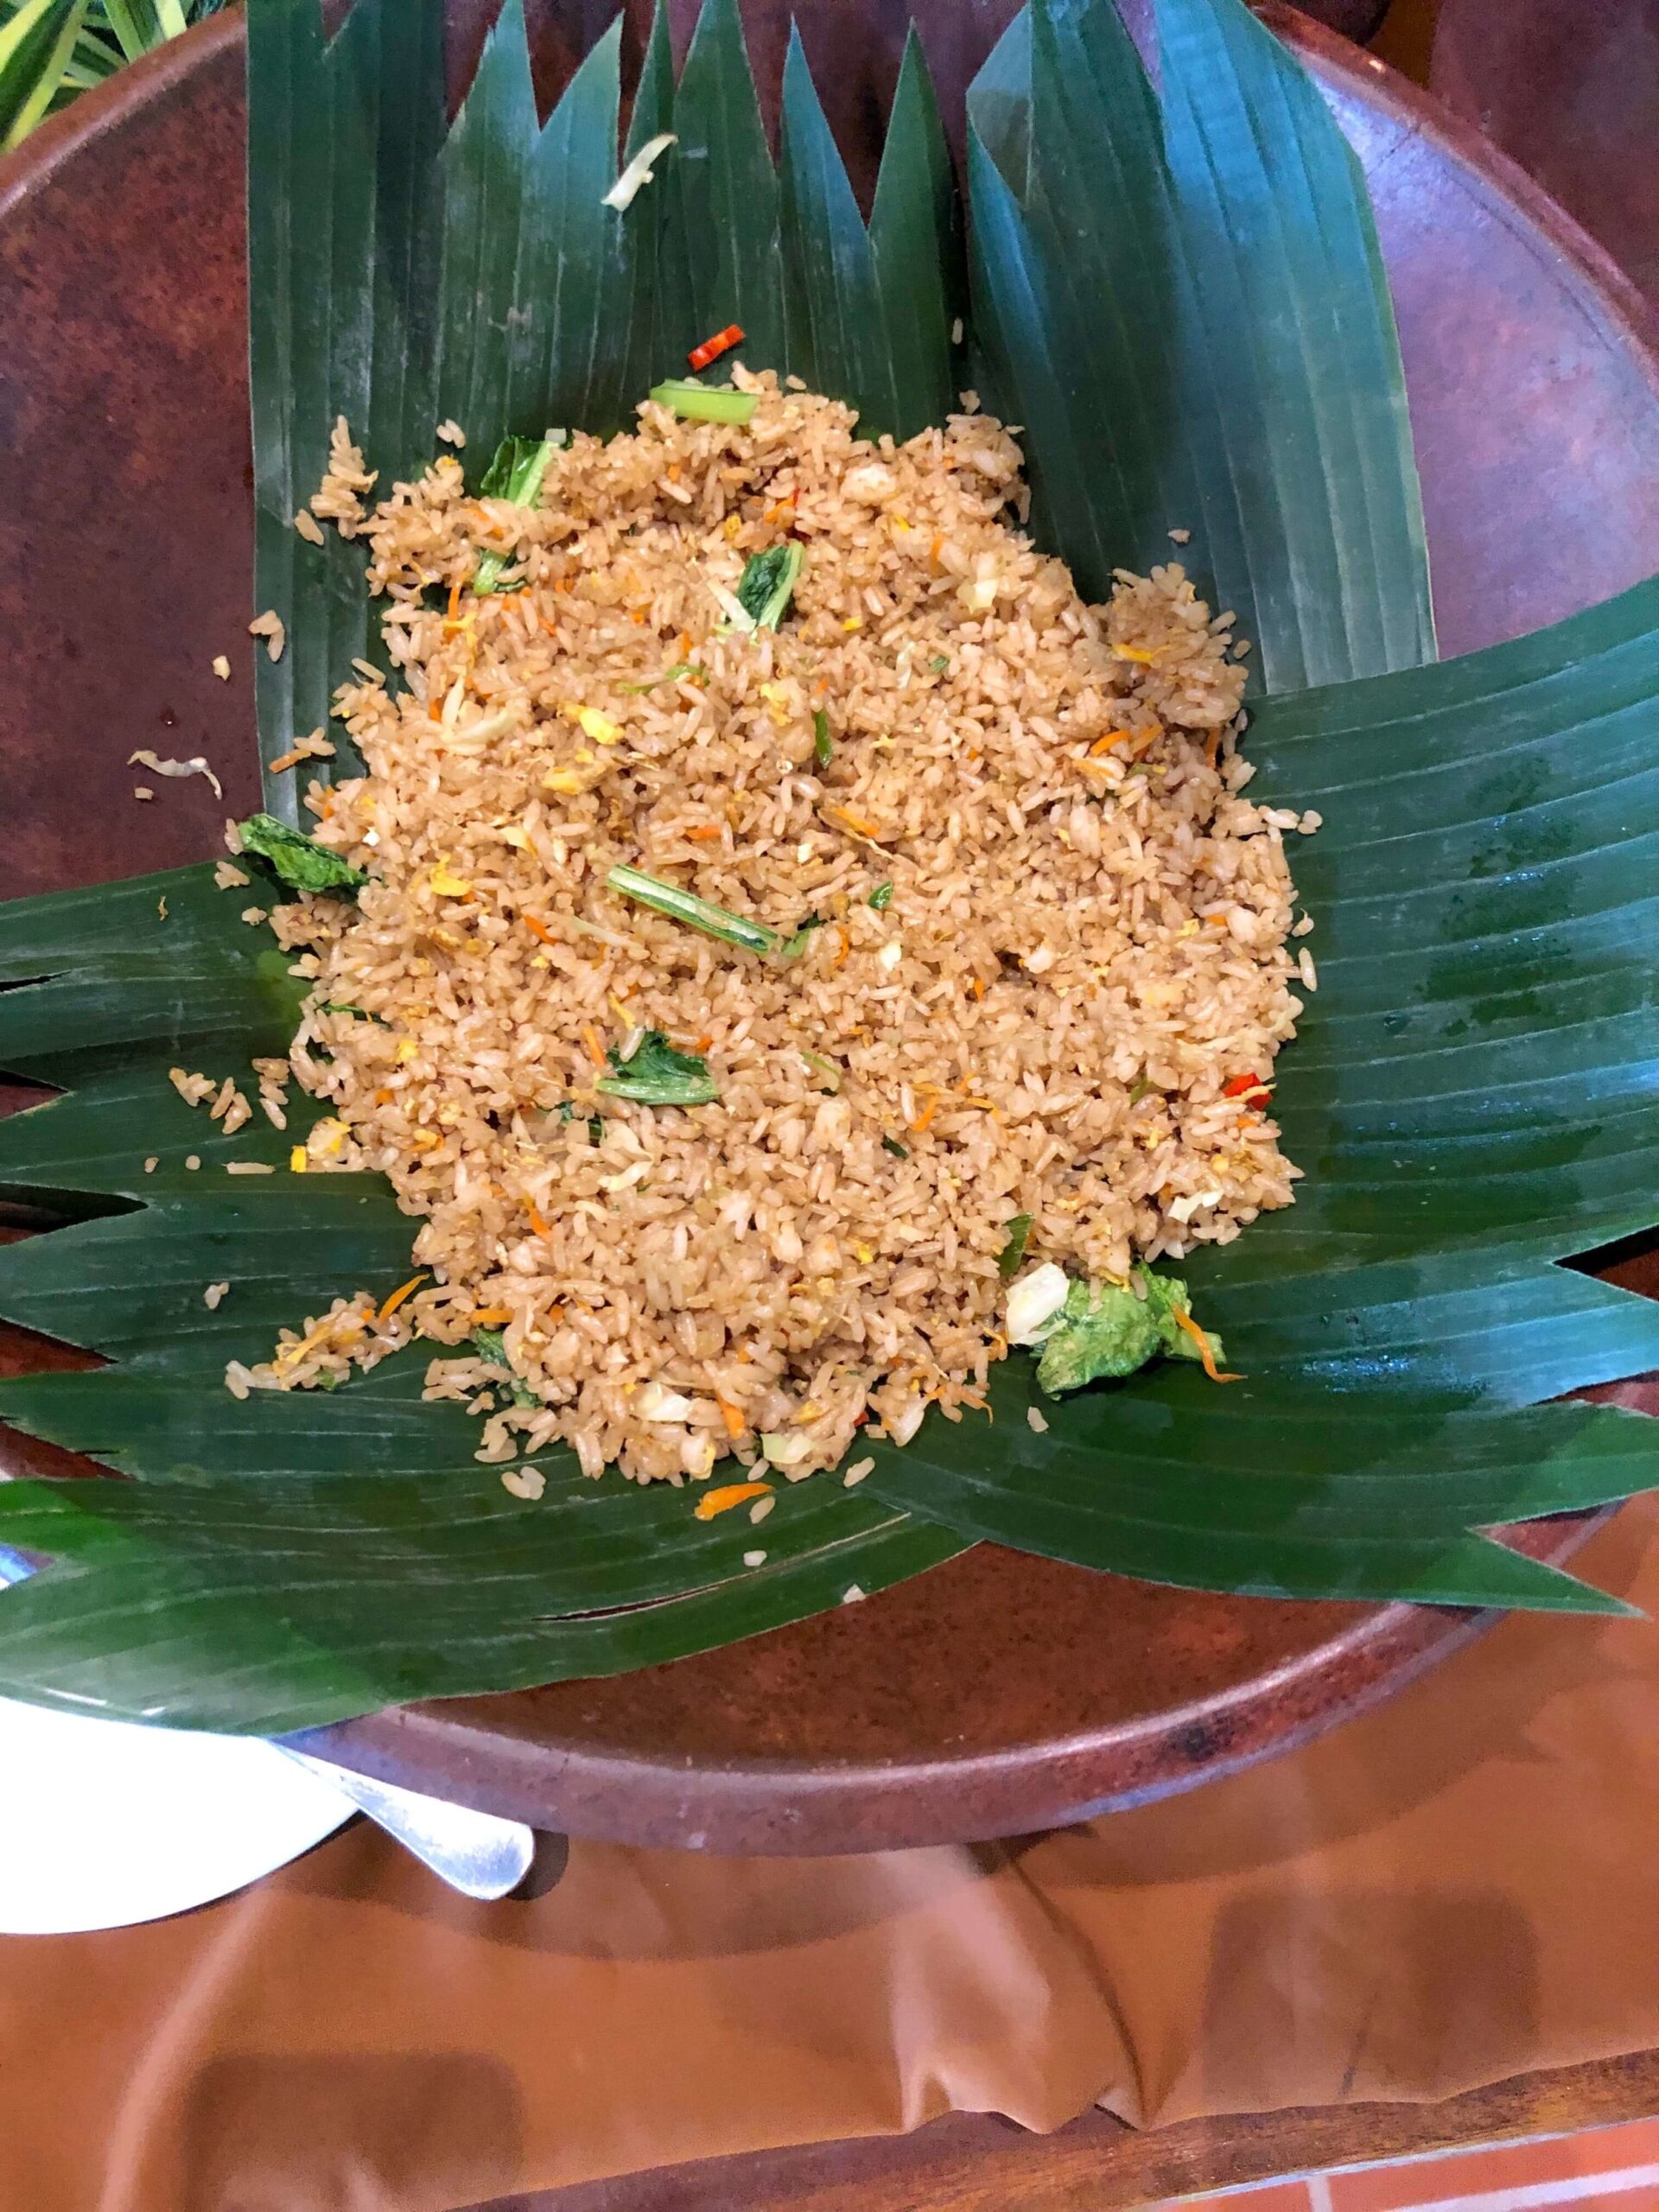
[403, 1291]
[978, 988]
[454, 607]
[703, 1043]
[435, 709]
[846, 946]
[934, 548]
[673, 471]
[492, 1316]
[1184, 1320]
[926, 1114]
[1105, 744]
[1212, 746]
[730, 1494]
[536, 929]
[383, 1096]
[595, 1050]
[541, 1227]
[702, 832]
[732, 1415]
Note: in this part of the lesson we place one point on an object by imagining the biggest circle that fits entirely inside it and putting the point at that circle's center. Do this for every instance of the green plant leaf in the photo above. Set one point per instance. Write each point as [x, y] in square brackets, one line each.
[35, 49]
[539, 295]
[343, 248]
[1186, 309]
[726, 193]
[1275, 1491]
[656, 307]
[871, 311]
[274, 1603]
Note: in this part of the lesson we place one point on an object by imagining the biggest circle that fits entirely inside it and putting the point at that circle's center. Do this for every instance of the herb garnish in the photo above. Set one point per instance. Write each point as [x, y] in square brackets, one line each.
[767, 581]
[713, 921]
[491, 1344]
[704, 403]
[1105, 1330]
[1014, 1252]
[298, 861]
[515, 473]
[654, 1074]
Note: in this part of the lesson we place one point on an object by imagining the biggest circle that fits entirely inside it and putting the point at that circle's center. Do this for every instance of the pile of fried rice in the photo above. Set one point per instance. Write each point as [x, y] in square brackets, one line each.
[1045, 967]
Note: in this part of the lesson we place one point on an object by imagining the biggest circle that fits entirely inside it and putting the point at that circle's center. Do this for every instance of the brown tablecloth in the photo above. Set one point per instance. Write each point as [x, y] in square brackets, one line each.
[1456, 1887]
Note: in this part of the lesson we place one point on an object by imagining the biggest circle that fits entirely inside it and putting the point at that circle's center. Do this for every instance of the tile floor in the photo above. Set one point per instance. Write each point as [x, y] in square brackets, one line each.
[1618, 2167]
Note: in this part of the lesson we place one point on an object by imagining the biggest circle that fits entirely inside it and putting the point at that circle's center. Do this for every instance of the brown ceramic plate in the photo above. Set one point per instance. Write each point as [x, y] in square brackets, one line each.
[1001, 1693]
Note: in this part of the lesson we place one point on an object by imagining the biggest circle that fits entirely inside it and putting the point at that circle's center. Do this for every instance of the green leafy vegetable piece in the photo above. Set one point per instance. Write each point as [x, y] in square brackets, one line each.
[1012, 1256]
[668, 898]
[827, 1068]
[515, 473]
[881, 898]
[940, 663]
[655, 1074]
[824, 751]
[898, 1150]
[669, 676]
[491, 1345]
[704, 403]
[1104, 1330]
[297, 861]
[799, 939]
[767, 581]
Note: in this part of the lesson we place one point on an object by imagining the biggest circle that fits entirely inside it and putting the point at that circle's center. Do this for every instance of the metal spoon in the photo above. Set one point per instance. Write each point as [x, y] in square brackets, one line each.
[477, 1853]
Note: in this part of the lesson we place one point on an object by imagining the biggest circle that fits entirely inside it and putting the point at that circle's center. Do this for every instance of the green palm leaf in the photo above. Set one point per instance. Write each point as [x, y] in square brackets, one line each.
[51, 51]
[864, 328]
[37, 46]
[1471, 1094]
[1186, 308]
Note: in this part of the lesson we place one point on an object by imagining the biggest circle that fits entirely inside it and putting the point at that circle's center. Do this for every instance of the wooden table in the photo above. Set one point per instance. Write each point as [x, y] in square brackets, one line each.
[984, 2165]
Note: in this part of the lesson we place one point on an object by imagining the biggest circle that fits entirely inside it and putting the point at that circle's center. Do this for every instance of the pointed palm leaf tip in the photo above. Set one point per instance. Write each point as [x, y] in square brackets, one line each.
[1185, 307]
[1471, 1091]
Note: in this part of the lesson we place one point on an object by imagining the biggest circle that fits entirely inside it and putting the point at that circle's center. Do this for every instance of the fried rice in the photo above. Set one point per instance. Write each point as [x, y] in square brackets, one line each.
[1043, 970]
